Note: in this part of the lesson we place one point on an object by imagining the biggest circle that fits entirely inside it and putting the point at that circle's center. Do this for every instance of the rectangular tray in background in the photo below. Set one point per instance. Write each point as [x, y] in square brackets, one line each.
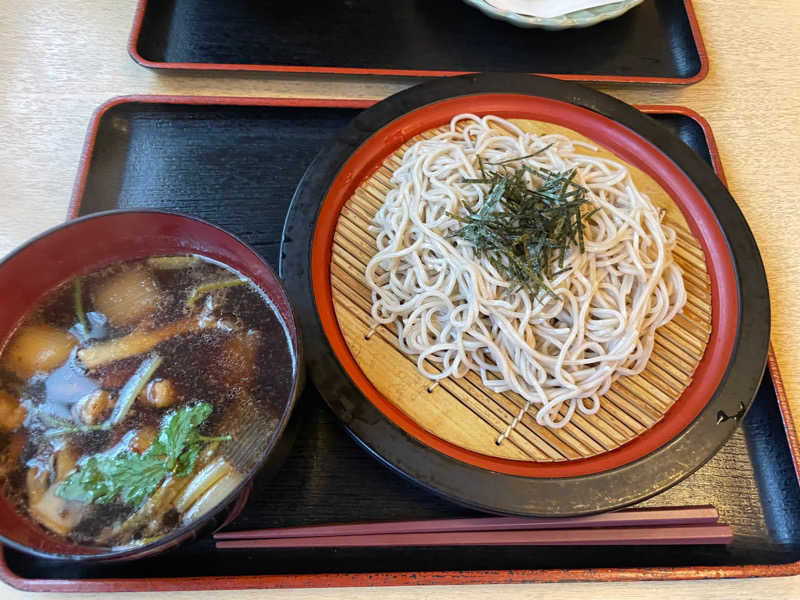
[656, 42]
[236, 162]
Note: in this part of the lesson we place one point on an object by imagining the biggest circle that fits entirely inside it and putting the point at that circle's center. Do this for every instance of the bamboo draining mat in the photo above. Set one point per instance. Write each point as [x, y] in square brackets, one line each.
[462, 411]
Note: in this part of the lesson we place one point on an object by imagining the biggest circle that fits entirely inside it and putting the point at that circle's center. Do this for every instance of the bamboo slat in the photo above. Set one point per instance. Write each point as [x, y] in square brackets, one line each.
[466, 413]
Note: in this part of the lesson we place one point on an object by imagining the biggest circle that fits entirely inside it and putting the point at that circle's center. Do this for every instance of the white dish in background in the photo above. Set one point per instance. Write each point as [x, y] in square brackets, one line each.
[578, 18]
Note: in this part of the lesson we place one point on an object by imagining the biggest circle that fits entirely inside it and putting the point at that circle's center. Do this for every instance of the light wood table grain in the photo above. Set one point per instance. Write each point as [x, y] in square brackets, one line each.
[60, 60]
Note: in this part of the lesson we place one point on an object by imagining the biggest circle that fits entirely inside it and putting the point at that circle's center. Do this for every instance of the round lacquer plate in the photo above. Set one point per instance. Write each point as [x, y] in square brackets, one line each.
[653, 430]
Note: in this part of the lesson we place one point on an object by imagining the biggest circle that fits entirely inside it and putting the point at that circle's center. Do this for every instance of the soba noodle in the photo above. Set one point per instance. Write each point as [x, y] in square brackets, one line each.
[456, 313]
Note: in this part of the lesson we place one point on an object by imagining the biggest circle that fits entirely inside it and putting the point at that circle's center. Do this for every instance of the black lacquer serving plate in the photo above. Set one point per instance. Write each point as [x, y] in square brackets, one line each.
[236, 163]
[656, 42]
[696, 426]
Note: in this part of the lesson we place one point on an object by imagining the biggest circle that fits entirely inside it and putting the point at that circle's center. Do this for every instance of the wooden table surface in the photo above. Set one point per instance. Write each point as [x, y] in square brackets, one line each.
[62, 59]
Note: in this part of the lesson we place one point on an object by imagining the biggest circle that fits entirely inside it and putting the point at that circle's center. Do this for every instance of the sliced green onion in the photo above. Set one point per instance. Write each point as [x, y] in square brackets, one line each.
[78, 294]
[205, 288]
[217, 438]
[133, 386]
[172, 262]
[77, 429]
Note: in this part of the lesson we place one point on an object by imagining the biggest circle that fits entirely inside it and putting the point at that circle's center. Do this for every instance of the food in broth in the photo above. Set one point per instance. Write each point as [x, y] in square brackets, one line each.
[131, 398]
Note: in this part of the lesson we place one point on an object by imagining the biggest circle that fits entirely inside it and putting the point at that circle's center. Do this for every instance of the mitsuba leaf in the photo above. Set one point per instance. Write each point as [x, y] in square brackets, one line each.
[138, 477]
[185, 463]
[179, 430]
[132, 478]
[92, 482]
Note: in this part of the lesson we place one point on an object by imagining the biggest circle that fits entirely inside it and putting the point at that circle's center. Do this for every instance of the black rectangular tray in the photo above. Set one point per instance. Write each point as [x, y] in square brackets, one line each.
[656, 42]
[236, 162]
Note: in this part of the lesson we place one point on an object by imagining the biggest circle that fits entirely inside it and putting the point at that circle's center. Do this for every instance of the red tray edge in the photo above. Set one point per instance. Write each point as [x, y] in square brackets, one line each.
[407, 577]
[138, 58]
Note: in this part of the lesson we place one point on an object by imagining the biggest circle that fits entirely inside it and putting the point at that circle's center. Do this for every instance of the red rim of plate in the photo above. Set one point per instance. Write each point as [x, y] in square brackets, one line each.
[631, 148]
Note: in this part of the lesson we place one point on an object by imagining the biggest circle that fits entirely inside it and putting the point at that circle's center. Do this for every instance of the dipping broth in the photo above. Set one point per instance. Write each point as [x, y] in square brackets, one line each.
[134, 399]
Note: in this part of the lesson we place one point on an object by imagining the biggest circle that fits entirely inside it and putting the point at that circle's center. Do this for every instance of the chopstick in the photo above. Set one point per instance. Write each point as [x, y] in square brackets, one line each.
[637, 517]
[641, 526]
[616, 536]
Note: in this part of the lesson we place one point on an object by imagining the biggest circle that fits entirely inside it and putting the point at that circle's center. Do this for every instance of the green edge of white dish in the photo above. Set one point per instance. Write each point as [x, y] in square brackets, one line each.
[580, 18]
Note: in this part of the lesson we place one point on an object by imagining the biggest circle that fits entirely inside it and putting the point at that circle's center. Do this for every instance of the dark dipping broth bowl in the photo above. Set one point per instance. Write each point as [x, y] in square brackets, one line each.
[85, 245]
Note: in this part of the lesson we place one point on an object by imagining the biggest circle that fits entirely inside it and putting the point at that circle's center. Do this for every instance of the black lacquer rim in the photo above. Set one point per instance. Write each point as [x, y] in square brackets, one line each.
[493, 491]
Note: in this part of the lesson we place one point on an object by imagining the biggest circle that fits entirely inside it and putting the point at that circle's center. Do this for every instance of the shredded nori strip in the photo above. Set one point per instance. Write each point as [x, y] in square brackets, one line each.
[525, 232]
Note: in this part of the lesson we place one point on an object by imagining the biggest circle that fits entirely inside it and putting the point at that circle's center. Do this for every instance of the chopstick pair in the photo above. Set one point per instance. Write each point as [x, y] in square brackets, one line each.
[641, 526]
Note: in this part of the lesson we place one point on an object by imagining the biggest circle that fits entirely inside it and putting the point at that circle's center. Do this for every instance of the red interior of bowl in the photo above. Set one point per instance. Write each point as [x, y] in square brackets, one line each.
[626, 144]
[87, 244]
